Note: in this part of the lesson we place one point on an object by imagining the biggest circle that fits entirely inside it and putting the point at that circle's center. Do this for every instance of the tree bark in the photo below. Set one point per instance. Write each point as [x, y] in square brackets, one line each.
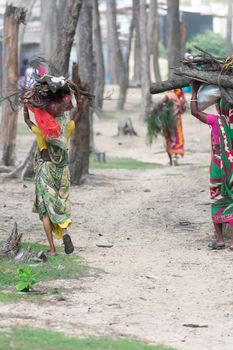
[153, 37]
[61, 8]
[116, 60]
[80, 140]
[229, 29]
[26, 168]
[99, 59]
[173, 35]
[112, 40]
[49, 26]
[145, 63]
[124, 74]
[29, 7]
[137, 50]
[12, 18]
[60, 64]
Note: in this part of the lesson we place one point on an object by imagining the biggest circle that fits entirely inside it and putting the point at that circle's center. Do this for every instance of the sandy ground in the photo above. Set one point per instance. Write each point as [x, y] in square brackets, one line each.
[158, 275]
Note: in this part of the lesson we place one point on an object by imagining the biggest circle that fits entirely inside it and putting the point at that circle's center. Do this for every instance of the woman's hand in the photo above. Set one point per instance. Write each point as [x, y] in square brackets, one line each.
[195, 85]
[27, 116]
[72, 86]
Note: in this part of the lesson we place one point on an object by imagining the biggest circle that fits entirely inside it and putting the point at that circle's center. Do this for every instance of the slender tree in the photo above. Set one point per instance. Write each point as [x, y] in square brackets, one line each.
[153, 37]
[137, 50]
[173, 35]
[116, 59]
[98, 57]
[80, 140]
[145, 62]
[12, 18]
[48, 18]
[66, 38]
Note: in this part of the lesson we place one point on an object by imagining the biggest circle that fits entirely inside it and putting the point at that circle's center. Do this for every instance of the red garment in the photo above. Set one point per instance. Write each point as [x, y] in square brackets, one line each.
[45, 121]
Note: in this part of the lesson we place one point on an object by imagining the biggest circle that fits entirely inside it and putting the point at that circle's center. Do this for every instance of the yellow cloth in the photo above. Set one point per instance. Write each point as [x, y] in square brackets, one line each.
[70, 126]
[39, 138]
[57, 228]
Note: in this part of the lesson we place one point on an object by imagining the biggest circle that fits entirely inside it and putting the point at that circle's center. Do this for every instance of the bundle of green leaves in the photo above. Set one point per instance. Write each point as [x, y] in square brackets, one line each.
[26, 279]
[161, 120]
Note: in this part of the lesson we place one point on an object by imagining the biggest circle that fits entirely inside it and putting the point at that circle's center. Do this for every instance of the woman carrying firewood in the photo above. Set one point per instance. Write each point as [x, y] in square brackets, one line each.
[221, 167]
[49, 99]
[175, 140]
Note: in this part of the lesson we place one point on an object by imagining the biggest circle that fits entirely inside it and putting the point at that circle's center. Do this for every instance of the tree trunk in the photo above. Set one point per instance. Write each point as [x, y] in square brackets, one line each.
[25, 169]
[116, 60]
[153, 36]
[49, 36]
[65, 41]
[80, 140]
[112, 42]
[12, 18]
[61, 8]
[229, 30]
[98, 58]
[145, 63]
[137, 50]
[124, 74]
[173, 35]
[29, 7]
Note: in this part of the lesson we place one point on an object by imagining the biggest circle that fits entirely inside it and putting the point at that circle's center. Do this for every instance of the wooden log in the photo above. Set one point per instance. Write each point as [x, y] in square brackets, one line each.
[215, 78]
[166, 85]
[186, 75]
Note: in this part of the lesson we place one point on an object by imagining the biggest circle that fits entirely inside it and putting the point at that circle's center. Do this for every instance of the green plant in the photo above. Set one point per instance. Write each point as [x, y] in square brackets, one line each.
[26, 279]
[160, 121]
[208, 41]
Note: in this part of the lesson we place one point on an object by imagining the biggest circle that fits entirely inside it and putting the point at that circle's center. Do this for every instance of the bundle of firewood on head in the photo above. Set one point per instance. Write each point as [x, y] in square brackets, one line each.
[205, 68]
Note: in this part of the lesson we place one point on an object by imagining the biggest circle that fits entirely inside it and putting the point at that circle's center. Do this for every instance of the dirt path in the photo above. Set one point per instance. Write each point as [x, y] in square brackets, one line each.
[158, 275]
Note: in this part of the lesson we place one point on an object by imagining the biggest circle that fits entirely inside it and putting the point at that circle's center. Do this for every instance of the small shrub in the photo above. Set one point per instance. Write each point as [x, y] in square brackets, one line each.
[26, 279]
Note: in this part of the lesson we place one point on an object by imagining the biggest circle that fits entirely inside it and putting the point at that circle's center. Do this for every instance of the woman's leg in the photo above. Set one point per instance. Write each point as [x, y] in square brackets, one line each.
[48, 230]
[219, 233]
[231, 240]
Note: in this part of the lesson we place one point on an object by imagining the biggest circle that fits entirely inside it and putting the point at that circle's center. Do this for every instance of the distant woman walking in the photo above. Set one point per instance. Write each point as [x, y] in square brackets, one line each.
[175, 139]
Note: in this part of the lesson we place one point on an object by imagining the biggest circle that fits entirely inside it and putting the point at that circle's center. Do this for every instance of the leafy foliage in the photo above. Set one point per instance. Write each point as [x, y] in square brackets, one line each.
[209, 41]
[161, 120]
[26, 279]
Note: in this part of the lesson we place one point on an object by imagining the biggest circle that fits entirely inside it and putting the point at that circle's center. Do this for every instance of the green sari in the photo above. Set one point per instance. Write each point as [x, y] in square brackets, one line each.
[52, 182]
[221, 169]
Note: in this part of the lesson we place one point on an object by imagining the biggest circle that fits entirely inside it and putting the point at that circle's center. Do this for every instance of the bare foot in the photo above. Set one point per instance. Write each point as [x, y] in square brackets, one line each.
[52, 253]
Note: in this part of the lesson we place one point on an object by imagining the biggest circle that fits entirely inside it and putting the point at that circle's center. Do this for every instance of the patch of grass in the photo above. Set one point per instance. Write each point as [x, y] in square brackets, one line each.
[22, 339]
[122, 163]
[59, 267]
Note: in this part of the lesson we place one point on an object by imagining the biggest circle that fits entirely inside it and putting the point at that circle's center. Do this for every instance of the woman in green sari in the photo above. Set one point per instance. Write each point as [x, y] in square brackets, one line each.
[221, 167]
[52, 179]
